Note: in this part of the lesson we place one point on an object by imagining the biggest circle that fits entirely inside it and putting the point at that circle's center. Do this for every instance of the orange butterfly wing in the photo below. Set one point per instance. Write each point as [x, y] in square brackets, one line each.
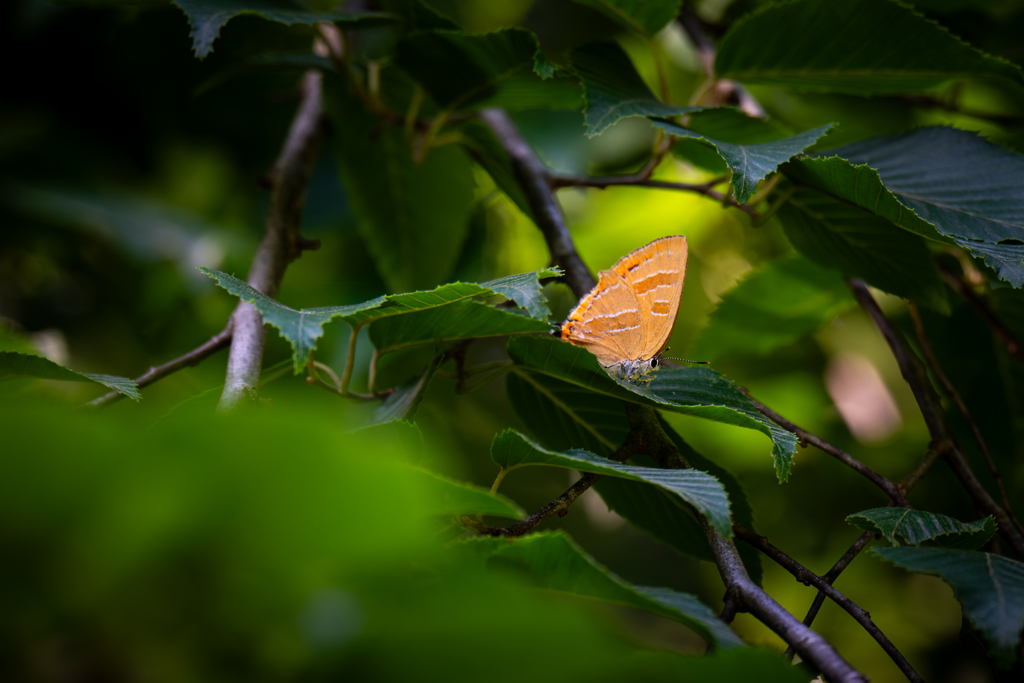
[656, 272]
[607, 321]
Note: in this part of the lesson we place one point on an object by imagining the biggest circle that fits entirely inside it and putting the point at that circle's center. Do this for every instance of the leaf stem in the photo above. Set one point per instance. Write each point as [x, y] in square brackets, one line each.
[350, 359]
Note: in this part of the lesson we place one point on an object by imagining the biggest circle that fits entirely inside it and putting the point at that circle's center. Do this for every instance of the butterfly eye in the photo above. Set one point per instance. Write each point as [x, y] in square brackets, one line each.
[654, 362]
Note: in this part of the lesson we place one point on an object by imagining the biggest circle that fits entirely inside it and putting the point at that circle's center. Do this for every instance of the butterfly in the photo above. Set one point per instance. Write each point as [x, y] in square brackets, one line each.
[627, 318]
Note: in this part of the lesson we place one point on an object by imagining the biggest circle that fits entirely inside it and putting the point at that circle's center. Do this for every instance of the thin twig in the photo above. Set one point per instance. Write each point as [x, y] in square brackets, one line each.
[809, 578]
[190, 359]
[933, 362]
[931, 409]
[705, 189]
[281, 243]
[963, 289]
[891, 489]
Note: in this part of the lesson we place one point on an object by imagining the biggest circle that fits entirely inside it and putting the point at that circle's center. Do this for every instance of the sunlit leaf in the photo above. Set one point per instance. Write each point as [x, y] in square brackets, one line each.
[613, 89]
[208, 17]
[700, 392]
[447, 497]
[773, 306]
[15, 365]
[511, 450]
[989, 587]
[916, 527]
[751, 163]
[553, 561]
[872, 46]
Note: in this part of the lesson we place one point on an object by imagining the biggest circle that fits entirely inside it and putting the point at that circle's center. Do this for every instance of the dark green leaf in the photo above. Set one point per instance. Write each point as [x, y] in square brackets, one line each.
[553, 561]
[207, 17]
[915, 527]
[14, 365]
[965, 186]
[485, 149]
[613, 89]
[402, 402]
[646, 17]
[731, 125]
[419, 16]
[773, 306]
[511, 450]
[860, 244]
[753, 162]
[458, 69]
[989, 587]
[872, 46]
[414, 217]
[447, 497]
[701, 392]
[460, 320]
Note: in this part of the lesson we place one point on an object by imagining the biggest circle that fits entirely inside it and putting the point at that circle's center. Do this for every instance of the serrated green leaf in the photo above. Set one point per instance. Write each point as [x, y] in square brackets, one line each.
[460, 320]
[989, 587]
[208, 17]
[646, 17]
[873, 46]
[302, 328]
[448, 497]
[525, 289]
[916, 527]
[15, 365]
[700, 392]
[414, 217]
[863, 245]
[553, 561]
[563, 416]
[965, 186]
[773, 306]
[510, 450]
[613, 90]
[458, 69]
[751, 163]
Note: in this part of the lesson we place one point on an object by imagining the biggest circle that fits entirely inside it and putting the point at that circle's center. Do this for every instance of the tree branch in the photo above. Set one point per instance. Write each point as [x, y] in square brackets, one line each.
[705, 189]
[931, 409]
[192, 358]
[891, 489]
[807, 577]
[281, 243]
[963, 289]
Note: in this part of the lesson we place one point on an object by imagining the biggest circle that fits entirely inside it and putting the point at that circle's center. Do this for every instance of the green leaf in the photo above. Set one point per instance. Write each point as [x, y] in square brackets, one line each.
[613, 89]
[646, 17]
[989, 587]
[15, 365]
[860, 244]
[303, 328]
[414, 217]
[700, 392]
[208, 17]
[511, 450]
[485, 149]
[773, 306]
[916, 527]
[525, 289]
[872, 47]
[553, 561]
[418, 15]
[563, 416]
[458, 69]
[449, 497]
[751, 163]
[402, 402]
[460, 320]
[965, 186]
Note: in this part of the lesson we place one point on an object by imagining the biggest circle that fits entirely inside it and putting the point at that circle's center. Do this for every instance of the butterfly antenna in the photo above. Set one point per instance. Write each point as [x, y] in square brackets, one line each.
[687, 360]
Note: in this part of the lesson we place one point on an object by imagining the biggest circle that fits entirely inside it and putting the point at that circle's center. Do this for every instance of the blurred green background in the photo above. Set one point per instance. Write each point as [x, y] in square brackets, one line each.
[155, 542]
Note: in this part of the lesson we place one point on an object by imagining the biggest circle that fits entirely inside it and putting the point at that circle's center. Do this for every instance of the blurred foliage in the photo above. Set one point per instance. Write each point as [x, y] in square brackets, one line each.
[155, 541]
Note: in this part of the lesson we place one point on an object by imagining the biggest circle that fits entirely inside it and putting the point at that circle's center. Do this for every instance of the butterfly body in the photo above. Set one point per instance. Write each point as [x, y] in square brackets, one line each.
[627, 318]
